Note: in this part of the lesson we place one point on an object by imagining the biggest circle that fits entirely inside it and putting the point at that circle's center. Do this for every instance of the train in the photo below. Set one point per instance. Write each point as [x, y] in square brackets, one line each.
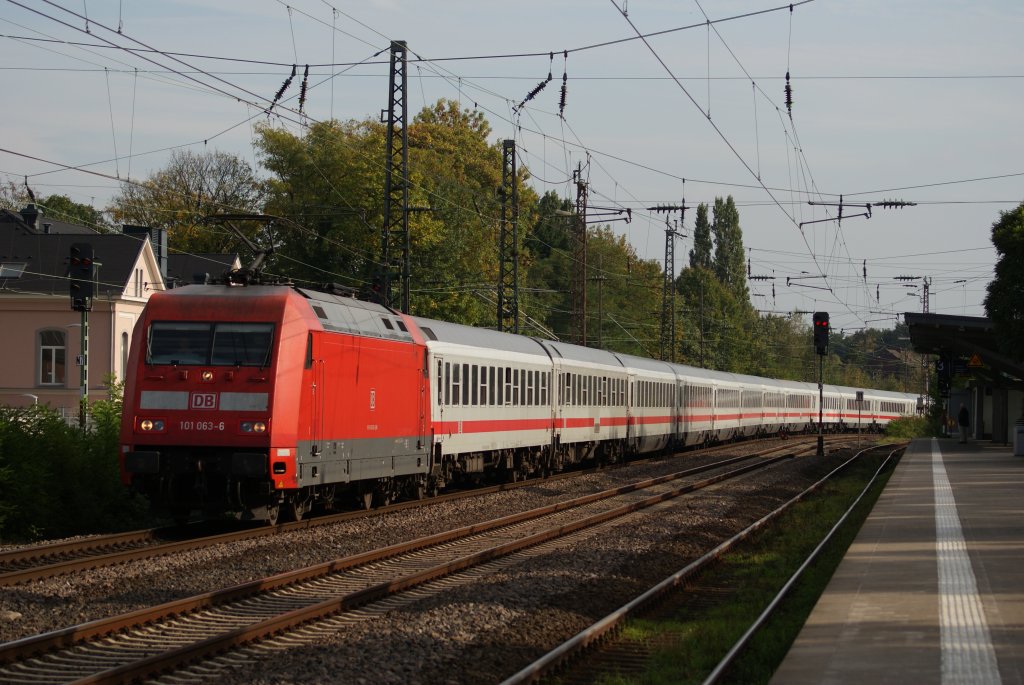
[263, 401]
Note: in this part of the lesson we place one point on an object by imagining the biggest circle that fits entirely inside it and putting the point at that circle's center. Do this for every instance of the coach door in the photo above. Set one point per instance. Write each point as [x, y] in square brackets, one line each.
[315, 382]
[442, 399]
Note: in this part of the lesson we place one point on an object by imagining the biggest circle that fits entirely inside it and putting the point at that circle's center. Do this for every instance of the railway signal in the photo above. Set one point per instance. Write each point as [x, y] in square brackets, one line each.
[821, 332]
[82, 273]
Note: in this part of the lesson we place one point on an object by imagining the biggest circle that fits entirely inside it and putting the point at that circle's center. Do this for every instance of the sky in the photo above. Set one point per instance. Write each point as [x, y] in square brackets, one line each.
[918, 101]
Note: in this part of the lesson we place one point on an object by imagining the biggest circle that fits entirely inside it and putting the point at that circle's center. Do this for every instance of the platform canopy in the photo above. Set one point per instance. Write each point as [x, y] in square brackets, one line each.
[971, 338]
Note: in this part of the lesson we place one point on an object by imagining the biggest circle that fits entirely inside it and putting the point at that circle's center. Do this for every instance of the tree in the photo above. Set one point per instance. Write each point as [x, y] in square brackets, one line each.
[327, 187]
[191, 187]
[729, 265]
[1004, 302]
[65, 209]
[623, 295]
[700, 255]
[61, 207]
[328, 184]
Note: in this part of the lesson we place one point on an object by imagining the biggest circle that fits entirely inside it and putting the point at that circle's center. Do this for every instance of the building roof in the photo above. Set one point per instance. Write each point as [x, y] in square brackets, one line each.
[38, 263]
[31, 221]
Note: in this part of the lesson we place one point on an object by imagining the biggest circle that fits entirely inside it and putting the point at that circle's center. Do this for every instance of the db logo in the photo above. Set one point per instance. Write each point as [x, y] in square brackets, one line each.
[204, 400]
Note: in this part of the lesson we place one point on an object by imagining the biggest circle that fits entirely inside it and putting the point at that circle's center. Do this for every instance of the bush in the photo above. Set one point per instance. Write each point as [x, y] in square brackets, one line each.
[60, 480]
[908, 427]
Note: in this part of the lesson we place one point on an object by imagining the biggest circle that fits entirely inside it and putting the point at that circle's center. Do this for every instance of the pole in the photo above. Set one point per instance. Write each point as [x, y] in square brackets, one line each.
[821, 405]
[83, 405]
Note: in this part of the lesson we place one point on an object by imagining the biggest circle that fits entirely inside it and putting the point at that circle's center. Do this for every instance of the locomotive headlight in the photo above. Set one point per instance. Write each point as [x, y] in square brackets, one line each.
[207, 376]
[151, 425]
[253, 427]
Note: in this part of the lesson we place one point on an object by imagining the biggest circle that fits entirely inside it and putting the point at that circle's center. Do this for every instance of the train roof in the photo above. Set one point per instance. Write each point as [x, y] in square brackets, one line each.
[349, 315]
[634, 362]
[458, 334]
[578, 353]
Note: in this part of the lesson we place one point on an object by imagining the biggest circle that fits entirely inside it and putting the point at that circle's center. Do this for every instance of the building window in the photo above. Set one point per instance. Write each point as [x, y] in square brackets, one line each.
[52, 354]
[124, 354]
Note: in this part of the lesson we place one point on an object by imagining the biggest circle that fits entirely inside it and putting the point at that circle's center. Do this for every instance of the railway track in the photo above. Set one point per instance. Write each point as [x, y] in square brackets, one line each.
[28, 564]
[158, 639]
[610, 656]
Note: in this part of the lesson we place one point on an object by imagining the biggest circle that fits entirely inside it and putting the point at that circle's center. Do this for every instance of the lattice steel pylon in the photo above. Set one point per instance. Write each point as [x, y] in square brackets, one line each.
[579, 256]
[668, 299]
[508, 258]
[667, 350]
[395, 234]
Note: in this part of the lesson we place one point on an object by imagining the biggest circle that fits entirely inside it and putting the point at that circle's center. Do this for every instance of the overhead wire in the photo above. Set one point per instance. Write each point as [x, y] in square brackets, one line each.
[582, 146]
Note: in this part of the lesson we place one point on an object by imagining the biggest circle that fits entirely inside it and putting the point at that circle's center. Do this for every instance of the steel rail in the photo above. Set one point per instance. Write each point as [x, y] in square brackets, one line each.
[188, 654]
[91, 560]
[741, 643]
[26, 647]
[601, 629]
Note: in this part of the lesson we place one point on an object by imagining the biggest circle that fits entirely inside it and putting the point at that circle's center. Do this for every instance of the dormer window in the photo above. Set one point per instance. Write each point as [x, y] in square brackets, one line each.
[12, 269]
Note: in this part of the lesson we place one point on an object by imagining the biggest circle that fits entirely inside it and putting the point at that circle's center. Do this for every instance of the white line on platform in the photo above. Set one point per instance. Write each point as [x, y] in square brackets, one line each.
[968, 656]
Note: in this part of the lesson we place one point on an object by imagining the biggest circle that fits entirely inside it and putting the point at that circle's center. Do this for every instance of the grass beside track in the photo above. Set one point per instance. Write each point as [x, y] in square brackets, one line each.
[689, 634]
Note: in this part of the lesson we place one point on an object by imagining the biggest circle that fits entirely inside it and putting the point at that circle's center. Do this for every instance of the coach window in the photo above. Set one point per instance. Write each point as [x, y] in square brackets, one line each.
[490, 383]
[465, 384]
[544, 388]
[442, 382]
[456, 376]
[501, 386]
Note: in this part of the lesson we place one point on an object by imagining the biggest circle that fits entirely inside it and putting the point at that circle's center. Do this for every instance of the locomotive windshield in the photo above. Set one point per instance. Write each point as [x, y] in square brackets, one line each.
[210, 344]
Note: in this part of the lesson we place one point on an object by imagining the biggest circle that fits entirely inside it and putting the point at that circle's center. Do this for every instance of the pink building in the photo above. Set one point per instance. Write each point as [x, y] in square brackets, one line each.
[41, 360]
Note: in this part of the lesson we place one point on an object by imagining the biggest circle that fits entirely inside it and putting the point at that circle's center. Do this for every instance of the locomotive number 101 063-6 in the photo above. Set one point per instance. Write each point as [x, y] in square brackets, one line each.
[201, 425]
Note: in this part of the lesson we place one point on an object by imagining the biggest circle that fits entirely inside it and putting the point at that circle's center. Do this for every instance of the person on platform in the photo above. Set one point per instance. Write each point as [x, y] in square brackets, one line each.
[963, 420]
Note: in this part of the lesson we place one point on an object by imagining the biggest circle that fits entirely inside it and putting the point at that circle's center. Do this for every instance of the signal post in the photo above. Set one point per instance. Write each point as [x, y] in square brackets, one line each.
[821, 348]
[82, 268]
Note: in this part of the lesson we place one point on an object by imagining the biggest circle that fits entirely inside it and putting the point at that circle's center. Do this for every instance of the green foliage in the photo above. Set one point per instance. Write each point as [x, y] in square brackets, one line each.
[191, 187]
[908, 427]
[63, 208]
[730, 266]
[1004, 302]
[60, 480]
[700, 255]
[59, 207]
[329, 184]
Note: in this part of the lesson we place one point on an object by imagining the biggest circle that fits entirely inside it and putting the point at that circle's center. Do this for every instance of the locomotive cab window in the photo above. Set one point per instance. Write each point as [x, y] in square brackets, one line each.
[214, 344]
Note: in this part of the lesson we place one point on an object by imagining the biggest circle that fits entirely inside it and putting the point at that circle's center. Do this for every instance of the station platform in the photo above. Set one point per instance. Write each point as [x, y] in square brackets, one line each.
[932, 589]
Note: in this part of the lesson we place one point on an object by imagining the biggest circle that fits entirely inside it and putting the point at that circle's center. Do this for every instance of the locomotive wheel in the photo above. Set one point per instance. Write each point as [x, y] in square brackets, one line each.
[273, 513]
[298, 509]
